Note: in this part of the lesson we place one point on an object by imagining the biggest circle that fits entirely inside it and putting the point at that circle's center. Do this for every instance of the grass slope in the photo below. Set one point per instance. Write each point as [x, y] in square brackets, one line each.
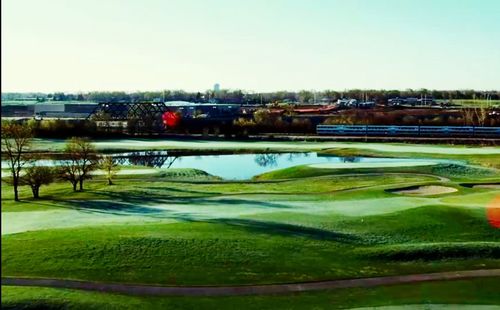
[468, 292]
[453, 171]
[242, 251]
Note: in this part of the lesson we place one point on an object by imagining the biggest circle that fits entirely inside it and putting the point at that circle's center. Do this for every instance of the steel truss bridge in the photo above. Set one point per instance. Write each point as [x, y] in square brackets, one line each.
[140, 116]
[129, 110]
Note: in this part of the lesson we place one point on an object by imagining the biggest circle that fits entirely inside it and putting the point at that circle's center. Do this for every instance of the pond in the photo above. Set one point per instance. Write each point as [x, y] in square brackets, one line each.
[246, 166]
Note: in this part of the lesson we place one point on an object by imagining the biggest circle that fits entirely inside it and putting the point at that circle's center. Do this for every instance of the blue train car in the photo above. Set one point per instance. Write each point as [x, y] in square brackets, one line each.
[410, 131]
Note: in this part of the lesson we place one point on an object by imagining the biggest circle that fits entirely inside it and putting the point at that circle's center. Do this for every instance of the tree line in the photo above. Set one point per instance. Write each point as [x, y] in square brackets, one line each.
[81, 159]
[245, 97]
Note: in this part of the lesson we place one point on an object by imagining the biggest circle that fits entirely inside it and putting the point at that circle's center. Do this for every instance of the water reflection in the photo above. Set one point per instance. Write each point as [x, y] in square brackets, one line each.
[237, 166]
[155, 159]
[293, 156]
[350, 159]
[267, 160]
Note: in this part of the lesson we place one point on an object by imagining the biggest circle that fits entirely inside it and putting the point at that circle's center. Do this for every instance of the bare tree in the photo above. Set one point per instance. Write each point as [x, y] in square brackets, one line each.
[36, 176]
[481, 114]
[110, 167]
[468, 116]
[16, 142]
[82, 159]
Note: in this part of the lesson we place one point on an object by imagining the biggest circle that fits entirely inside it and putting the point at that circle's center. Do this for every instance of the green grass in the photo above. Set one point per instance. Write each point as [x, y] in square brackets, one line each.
[184, 227]
[242, 251]
[452, 171]
[467, 292]
[171, 187]
[481, 102]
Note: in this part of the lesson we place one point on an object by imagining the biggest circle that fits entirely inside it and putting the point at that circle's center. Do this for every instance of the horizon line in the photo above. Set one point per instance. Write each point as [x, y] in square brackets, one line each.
[251, 91]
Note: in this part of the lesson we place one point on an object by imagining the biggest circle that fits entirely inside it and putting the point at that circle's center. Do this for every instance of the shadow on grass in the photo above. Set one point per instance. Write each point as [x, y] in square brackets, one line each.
[288, 230]
[126, 209]
[138, 204]
[253, 226]
[143, 199]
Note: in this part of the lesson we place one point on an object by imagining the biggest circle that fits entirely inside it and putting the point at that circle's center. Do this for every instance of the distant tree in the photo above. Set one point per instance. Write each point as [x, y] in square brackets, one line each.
[16, 142]
[110, 168]
[36, 176]
[467, 115]
[305, 96]
[82, 159]
[481, 113]
[59, 97]
[341, 119]
[263, 117]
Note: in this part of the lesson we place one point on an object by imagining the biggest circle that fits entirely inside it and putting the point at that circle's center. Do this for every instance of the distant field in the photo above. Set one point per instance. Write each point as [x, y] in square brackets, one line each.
[479, 102]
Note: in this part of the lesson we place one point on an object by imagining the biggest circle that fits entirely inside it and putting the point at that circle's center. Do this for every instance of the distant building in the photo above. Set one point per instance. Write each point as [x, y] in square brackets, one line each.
[216, 87]
[49, 110]
[426, 101]
[396, 101]
[203, 110]
[411, 101]
[347, 103]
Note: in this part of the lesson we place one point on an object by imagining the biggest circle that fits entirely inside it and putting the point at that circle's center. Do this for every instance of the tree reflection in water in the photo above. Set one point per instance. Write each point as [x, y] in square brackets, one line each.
[156, 159]
[350, 159]
[267, 160]
[293, 156]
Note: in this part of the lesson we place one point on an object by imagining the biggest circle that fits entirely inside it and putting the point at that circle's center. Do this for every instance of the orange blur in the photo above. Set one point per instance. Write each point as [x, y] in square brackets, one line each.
[493, 212]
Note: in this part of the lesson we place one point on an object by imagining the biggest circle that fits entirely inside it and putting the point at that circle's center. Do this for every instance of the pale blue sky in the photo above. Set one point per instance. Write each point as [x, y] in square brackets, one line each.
[258, 45]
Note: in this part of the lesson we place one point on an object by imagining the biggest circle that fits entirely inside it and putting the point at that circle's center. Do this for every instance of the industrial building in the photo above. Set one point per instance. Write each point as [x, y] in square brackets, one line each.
[49, 110]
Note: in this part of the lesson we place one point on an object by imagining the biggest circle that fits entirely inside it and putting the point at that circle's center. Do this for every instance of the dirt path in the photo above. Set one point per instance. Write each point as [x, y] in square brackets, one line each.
[136, 289]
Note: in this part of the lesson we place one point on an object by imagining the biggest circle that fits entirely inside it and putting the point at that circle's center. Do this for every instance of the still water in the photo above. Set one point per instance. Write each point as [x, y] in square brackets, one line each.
[245, 166]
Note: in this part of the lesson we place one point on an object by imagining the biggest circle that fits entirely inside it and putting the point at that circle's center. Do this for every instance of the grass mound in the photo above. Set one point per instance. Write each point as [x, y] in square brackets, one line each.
[186, 174]
[243, 251]
[302, 171]
[453, 171]
[462, 171]
[436, 251]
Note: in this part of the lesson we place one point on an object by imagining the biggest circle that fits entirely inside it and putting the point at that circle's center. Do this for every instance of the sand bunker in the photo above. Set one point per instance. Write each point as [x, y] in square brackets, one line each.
[425, 190]
[481, 185]
[491, 186]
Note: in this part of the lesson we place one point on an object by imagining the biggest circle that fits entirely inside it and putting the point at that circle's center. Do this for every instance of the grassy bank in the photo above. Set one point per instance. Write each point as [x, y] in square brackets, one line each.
[466, 292]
